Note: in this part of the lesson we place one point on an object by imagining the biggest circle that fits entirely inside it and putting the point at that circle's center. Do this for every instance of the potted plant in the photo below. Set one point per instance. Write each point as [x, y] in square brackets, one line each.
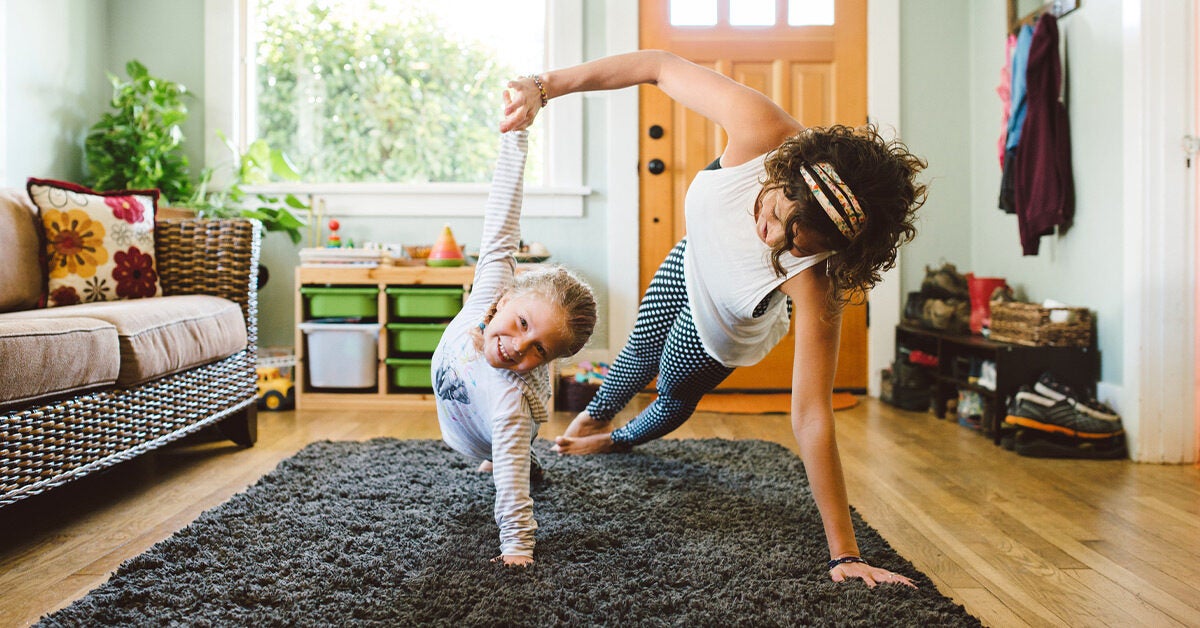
[258, 165]
[138, 145]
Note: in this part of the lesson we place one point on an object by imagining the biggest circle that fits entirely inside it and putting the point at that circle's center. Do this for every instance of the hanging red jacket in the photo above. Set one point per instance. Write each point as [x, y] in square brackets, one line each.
[1044, 192]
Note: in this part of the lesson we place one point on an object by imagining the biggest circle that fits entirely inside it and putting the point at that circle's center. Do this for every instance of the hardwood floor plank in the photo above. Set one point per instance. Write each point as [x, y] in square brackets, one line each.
[1123, 608]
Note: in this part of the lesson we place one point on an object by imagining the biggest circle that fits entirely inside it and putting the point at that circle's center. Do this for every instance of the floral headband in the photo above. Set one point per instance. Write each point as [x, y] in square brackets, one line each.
[846, 215]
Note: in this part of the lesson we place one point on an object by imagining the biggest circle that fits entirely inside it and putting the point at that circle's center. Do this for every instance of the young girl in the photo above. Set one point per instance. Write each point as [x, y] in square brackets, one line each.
[786, 219]
[490, 370]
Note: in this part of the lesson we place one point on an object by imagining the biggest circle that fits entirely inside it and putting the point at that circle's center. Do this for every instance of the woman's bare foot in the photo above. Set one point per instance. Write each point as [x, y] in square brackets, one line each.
[585, 425]
[583, 445]
[485, 467]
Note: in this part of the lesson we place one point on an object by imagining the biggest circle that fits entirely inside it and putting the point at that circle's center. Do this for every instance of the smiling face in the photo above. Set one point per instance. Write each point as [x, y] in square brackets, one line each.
[525, 332]
[770, 213]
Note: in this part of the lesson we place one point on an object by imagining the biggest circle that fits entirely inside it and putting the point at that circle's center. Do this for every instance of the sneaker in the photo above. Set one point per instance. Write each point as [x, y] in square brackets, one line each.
[1031, 410]
[1039, 444]
[1048, 387]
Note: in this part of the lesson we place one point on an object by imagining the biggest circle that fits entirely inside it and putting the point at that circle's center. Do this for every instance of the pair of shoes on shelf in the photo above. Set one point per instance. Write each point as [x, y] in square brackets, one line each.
[1039, 444]
[1050, 388]
[1030, 410]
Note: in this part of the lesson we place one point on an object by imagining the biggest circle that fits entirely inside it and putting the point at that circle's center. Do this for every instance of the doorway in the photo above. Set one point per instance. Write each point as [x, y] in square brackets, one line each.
[783, 55]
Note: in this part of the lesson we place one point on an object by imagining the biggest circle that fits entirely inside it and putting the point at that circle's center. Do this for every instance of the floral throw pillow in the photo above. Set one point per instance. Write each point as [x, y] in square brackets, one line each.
[99, 246]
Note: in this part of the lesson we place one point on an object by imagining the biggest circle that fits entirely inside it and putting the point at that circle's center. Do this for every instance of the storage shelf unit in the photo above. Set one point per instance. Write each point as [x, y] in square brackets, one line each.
[408, 331]
[1016, 365]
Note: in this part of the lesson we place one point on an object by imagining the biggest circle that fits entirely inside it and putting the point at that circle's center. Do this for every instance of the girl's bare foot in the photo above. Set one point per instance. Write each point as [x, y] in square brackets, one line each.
[585, 425]
[485, 466]
[583, 445]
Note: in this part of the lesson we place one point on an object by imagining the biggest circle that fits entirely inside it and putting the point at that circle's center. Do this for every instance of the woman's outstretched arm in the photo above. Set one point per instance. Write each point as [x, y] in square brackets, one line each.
[817, 338]
[753, 122]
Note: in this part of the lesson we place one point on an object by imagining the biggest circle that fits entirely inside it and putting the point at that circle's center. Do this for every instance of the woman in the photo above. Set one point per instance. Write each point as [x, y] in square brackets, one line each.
[787, 218]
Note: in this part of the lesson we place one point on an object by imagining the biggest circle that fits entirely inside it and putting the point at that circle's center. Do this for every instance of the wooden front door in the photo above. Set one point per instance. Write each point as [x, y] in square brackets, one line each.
[817, 73]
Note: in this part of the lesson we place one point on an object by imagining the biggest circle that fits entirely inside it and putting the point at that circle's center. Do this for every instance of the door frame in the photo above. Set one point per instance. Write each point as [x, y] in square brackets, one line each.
[883, 108]
[1157, 395]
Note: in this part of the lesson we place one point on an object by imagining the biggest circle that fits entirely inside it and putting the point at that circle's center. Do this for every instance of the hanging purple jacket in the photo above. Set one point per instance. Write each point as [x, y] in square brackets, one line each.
[1043, 190]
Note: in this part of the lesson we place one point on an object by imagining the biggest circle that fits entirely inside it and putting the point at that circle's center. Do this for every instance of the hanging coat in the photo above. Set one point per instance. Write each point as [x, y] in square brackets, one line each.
[1016, 117]
[1043, 188]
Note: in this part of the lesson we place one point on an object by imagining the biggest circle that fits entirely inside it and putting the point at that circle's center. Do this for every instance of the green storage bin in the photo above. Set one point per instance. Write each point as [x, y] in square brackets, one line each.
[341, 302]
[415, 337]
[425, 302]
[411, 372]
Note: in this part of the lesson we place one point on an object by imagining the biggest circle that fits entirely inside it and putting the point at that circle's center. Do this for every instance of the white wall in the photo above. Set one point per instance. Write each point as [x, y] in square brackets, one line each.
[936, 119]
[168, 38]
[54, 85]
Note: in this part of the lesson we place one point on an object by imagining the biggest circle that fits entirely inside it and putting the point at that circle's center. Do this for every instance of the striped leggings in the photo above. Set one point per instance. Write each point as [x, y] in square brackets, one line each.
[664, 343]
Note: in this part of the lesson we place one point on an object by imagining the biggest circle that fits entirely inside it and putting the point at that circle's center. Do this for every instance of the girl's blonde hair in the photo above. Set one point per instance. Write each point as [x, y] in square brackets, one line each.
[565, 289]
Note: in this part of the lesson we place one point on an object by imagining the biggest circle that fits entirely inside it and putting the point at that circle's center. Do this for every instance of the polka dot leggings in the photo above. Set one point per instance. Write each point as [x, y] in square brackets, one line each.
[664, 343]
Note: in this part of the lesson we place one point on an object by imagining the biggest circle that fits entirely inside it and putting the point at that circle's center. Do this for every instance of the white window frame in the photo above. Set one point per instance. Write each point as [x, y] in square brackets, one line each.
[562, 193]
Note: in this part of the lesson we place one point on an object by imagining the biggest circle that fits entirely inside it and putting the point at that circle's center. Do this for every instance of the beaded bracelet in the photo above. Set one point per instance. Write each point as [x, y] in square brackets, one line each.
[845, 559]
[537, 80]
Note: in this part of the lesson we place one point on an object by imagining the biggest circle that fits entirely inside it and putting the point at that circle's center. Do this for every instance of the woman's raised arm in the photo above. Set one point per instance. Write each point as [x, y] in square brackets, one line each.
[753, 122]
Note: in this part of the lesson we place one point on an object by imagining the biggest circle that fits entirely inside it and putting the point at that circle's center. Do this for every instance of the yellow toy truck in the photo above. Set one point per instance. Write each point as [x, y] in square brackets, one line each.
[275, 390]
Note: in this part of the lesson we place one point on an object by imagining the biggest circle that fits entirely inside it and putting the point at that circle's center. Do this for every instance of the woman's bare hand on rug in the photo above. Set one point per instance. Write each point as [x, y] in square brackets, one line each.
[511, 560]
[870, 575]
[584, 425]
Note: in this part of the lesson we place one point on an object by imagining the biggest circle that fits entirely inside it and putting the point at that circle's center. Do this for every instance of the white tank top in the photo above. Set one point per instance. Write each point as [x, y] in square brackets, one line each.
[728, 269]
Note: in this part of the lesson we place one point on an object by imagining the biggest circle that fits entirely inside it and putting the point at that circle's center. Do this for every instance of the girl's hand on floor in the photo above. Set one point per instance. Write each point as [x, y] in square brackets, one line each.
[870, 575]
[514, 561]
[522, 102]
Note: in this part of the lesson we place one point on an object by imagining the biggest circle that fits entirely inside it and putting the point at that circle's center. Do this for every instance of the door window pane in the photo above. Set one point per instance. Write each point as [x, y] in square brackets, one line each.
[752, 12]
[693, 12]
[810, 12]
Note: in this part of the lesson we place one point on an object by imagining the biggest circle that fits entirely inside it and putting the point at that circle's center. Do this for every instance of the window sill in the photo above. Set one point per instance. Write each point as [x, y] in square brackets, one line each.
[430, 200]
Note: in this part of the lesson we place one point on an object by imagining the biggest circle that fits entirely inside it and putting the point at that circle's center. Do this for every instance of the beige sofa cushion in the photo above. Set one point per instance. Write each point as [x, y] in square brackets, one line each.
[46, 357]
[164, 335]
[20, 272]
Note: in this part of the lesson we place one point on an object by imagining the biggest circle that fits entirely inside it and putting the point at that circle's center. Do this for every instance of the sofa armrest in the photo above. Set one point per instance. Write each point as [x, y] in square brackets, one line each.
[213, 257]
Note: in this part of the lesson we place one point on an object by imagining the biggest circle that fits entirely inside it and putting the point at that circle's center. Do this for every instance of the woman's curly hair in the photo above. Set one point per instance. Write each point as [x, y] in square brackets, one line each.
[881, 174]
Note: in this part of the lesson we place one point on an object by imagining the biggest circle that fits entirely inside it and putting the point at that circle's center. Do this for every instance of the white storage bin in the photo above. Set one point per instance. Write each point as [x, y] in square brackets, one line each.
[342, 355]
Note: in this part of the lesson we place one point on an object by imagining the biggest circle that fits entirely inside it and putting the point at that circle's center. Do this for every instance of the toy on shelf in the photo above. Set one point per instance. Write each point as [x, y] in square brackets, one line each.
[445, 251]
[335, 240]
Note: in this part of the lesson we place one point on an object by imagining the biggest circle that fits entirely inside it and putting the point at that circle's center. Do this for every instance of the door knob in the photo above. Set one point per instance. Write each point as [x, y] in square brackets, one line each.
[656, 166]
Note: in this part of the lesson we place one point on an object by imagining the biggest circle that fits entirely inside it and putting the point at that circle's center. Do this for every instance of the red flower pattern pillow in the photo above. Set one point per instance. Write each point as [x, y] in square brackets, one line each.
[99, 246]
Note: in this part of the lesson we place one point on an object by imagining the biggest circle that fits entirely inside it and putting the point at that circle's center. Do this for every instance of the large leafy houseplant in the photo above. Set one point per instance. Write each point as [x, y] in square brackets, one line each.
[138, 145]
[258, 165]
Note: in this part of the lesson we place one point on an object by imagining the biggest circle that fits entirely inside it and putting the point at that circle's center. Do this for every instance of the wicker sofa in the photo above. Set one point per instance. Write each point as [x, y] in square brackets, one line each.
[84, 387]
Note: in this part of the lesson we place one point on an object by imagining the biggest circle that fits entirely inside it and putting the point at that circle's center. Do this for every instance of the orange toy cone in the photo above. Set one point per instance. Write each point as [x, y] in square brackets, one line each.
[445, 251]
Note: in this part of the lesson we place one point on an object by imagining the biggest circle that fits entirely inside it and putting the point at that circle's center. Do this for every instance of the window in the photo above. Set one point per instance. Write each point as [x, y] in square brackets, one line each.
[391, 107]
[750, 13]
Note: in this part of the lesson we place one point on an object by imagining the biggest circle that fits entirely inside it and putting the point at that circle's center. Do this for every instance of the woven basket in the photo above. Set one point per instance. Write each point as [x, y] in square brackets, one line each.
[1030, 324]
[574, 396]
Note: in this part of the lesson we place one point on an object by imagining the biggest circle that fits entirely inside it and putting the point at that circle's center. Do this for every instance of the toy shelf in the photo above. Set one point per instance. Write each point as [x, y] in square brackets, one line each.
[392, 302]
[408, 303]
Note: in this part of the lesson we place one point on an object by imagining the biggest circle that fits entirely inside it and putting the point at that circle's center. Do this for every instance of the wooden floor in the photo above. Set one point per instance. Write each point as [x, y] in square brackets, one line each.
[1017, 541]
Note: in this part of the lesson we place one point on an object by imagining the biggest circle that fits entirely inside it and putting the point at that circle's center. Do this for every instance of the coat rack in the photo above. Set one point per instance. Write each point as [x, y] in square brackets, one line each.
[1057, 8]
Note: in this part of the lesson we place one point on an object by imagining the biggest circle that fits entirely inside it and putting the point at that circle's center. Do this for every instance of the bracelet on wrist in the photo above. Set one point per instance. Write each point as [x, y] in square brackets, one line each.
[537, 80]
[845, 559]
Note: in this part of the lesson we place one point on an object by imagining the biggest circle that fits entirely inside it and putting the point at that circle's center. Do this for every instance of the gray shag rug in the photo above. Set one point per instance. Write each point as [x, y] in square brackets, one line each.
[400, 533]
